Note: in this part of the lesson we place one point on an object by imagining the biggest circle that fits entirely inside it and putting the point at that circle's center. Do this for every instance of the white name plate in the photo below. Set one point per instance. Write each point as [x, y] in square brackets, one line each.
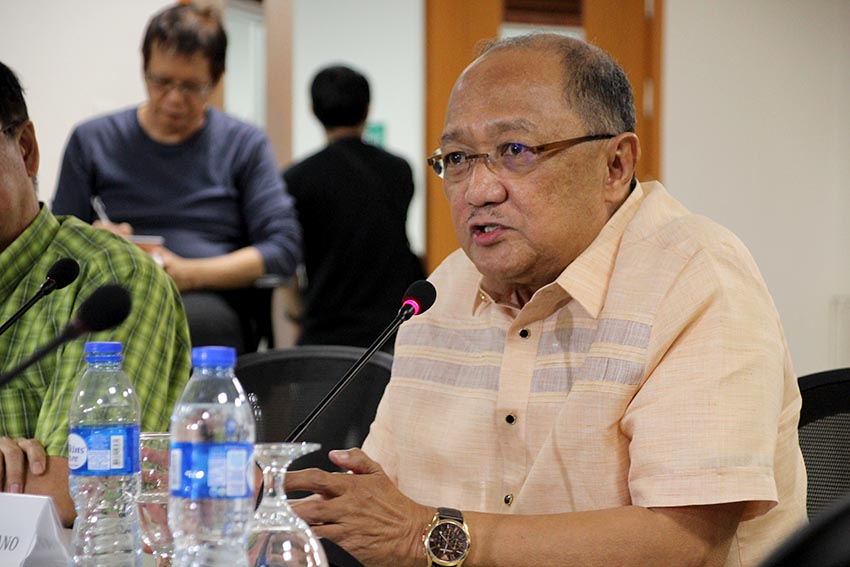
[30, 532]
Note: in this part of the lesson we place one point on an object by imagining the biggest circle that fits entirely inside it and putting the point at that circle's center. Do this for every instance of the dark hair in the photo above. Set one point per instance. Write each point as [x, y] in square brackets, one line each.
[340, 96]
[595, 85]
[13, 107]
[188, 29]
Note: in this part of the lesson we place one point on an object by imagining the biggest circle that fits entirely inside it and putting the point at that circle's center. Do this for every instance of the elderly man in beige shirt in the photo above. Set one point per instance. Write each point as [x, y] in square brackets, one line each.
[603, 379]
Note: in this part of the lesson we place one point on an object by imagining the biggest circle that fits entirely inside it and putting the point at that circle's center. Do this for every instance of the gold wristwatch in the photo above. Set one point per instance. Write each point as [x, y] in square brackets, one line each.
[446, 539]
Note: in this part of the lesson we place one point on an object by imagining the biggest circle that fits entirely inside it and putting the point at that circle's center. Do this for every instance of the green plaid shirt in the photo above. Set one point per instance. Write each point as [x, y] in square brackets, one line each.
[155, 335]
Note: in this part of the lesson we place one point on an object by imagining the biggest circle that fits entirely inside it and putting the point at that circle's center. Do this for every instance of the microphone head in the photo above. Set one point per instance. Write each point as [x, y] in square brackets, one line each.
[62, 273]
[420, 296]
[105, 308]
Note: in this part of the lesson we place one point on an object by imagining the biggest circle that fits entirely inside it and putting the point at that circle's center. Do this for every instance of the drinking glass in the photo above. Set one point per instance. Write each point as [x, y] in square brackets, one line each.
[279, 538]
[153, 497]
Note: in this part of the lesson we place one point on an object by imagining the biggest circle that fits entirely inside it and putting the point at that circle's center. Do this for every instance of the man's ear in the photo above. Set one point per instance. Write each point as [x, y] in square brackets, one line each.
[623, 155]
[28, 145]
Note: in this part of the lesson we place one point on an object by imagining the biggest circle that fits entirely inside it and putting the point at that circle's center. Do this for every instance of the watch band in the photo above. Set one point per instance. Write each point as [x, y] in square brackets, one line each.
[450, 514]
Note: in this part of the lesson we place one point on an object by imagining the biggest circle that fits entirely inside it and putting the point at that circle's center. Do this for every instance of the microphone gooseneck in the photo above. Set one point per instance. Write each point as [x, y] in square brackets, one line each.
[105, 308]
[60, 274]
[418, 298]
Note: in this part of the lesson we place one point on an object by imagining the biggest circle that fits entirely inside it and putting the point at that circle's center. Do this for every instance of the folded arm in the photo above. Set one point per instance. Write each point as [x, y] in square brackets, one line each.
[366, 514]
[239, 268]
[54, 483]
[25, 468]
[683, 536]
[19, 459]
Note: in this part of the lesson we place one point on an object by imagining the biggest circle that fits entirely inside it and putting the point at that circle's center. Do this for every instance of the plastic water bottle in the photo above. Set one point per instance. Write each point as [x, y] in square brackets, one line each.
[211, 474]
[103, 461]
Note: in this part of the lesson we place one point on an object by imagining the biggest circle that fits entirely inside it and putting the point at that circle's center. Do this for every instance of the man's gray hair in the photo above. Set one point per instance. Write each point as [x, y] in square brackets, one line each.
[595, 86]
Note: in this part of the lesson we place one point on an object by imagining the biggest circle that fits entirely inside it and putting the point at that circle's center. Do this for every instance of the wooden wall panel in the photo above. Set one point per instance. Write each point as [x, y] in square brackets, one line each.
[632, 34]
[452, 31]
[278, 18]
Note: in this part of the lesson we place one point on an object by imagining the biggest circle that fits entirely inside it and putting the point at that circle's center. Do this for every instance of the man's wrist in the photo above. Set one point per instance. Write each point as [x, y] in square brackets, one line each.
[418, 553]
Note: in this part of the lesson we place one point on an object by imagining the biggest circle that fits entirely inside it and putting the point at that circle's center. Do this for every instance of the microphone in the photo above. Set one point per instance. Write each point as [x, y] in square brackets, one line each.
[418, 298]
[105, 308]
[60, 274]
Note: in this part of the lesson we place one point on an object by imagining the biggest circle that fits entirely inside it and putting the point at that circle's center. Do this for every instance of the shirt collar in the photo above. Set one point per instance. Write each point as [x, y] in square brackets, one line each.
[24, 252]
[586, 278]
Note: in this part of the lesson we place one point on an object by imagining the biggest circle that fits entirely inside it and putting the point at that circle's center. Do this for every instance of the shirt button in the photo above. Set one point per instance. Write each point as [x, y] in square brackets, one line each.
[524, 333]
[509, 499]
[510, 418]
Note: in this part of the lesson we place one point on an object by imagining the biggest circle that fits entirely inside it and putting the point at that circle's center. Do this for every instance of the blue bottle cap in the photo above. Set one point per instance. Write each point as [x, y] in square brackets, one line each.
[102, 352]
[214, 357]
[102, 347]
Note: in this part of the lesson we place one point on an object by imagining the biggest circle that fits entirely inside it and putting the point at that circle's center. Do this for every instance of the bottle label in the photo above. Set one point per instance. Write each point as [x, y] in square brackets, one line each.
[111, 450]
[210, 470]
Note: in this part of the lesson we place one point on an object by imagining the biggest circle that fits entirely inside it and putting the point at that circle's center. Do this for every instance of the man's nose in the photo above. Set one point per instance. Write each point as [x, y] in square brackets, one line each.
[484, 187]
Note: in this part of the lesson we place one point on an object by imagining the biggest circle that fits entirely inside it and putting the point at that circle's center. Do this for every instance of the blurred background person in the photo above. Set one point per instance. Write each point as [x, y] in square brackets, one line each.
[203, 180]
[352, 200]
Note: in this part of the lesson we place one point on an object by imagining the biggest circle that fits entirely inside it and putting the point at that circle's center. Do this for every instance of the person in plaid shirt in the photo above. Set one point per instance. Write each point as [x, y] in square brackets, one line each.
[34, 406]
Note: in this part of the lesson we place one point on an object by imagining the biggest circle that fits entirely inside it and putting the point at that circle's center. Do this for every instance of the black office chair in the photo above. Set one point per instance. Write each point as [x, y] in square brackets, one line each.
[286, 384]
[822, 543]
[824, 432]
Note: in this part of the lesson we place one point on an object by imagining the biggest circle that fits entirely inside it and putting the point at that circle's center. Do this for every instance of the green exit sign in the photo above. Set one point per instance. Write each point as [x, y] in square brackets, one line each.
[374, 134]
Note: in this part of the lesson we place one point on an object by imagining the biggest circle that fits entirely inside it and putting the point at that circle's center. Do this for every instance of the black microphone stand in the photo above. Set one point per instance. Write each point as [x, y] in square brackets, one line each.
[72, 331]
[406, 312]
[42, 291]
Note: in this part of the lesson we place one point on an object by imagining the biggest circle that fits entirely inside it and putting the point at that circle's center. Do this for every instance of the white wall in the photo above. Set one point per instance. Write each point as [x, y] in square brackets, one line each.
[75, 60]
[756, 129]
[383, 39]
[245, 76]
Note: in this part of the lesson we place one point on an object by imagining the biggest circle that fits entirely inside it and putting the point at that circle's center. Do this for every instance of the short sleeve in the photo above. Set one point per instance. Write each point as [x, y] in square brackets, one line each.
[704, 425]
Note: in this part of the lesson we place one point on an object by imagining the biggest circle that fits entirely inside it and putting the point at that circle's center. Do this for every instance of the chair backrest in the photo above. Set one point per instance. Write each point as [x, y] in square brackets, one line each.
[824, 432]
[286, 384]
[822, 543]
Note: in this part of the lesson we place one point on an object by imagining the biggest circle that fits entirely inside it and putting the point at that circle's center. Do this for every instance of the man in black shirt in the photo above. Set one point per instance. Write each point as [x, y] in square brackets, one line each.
[352, 200]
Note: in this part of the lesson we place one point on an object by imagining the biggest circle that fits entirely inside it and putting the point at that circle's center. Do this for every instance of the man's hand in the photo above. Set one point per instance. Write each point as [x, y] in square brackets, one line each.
[236, 269]
[179, 268]
[363, 512]
[15, 456]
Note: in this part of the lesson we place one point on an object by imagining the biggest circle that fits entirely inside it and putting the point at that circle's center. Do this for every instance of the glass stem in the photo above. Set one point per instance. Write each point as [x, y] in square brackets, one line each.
[274, 493]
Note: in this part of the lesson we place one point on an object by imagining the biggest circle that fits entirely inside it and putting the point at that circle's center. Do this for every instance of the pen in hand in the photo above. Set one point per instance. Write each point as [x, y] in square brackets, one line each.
[99, 209]
[121, 229]
[125, 230]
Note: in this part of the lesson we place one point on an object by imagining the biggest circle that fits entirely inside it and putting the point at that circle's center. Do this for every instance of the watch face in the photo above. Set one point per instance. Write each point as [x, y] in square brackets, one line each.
[448, 542]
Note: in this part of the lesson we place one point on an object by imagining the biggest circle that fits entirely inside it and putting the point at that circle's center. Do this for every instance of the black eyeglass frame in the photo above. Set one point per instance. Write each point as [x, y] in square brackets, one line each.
[435, 160]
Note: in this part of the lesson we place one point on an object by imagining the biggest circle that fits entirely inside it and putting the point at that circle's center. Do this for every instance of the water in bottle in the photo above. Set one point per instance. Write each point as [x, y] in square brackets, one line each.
[103, 462]
[211, 476]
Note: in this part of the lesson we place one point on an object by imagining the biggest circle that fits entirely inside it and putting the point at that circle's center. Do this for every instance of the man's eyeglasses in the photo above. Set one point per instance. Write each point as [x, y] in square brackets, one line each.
[192, 89]
[513, 157]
